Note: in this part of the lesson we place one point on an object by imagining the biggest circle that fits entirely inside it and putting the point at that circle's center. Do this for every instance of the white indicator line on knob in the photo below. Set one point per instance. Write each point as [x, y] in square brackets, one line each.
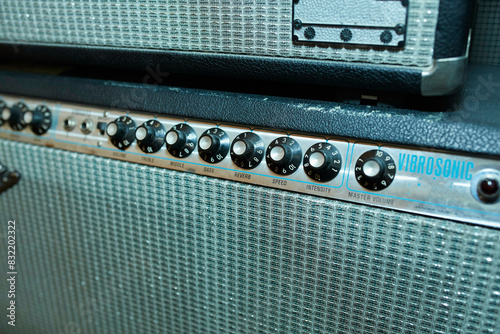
[277, 153]
[172, 137]
[28, 117]
[317, 159]
[6, 114]
[205, 142]
[371, 168]
[239, 147]
[112, 129]
[141, 133]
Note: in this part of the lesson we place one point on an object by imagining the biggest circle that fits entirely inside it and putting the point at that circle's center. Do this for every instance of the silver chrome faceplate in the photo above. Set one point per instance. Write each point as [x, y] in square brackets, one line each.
[427, 182]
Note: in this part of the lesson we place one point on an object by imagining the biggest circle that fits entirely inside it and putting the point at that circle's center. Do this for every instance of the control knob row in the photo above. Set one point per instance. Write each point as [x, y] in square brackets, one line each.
[15, 116]
[322, 162]
[19, 116]
[180, 139]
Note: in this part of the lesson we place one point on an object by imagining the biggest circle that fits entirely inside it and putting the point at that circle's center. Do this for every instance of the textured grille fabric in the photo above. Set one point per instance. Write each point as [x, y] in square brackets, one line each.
[112, 247]
[485, 47]
[250, 27]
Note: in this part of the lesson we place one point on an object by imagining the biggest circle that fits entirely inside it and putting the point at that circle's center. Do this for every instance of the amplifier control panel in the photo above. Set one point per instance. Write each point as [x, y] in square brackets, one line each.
[439, 184]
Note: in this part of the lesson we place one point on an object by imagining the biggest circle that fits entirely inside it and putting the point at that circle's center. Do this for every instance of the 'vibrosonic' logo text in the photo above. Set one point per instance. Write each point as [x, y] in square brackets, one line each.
[438, 167]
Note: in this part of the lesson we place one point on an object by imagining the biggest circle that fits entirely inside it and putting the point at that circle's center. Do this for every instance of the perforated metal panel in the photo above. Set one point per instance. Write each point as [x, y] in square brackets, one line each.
[250, 27]
[112, 247]
[485, 47]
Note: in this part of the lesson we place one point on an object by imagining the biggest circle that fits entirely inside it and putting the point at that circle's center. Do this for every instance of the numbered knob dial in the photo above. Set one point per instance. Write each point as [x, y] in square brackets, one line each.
[121, 132]
[39, 119]
[213, 145]
[3, 106]
[150, 136]
[375, 170]
[322, 162]
[181, 140]
[247, 150]
[15, 116]
[283, 156]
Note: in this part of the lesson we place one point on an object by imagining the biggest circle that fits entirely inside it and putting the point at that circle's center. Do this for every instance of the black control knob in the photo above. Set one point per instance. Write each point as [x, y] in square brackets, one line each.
[283, 156]
[213, 145]
[39, 119]
[181, 140]
[121, 132]
[322, 162]
[375, 170]
[15, 116]
[247, 150]
[3, 106]
[150, 136]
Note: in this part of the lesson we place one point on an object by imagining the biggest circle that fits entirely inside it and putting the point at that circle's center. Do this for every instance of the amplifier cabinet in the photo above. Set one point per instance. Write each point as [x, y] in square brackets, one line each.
[138, 239]
[416, 46]
[105, 246]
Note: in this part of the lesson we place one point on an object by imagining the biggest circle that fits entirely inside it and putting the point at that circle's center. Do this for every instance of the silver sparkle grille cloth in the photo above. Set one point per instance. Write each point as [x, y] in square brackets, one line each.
[112, 247]
[485, 46]
[249, 27]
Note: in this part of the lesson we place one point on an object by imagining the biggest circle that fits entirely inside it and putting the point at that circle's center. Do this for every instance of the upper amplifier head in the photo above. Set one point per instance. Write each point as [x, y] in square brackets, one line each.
[417, 46]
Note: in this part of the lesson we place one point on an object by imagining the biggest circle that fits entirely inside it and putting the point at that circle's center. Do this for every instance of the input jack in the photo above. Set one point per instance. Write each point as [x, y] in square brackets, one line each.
[87, 126]
[69, 123]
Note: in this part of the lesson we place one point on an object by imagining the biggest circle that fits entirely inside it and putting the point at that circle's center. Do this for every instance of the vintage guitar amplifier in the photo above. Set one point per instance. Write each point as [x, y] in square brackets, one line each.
[130, 208]
[413, 46]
